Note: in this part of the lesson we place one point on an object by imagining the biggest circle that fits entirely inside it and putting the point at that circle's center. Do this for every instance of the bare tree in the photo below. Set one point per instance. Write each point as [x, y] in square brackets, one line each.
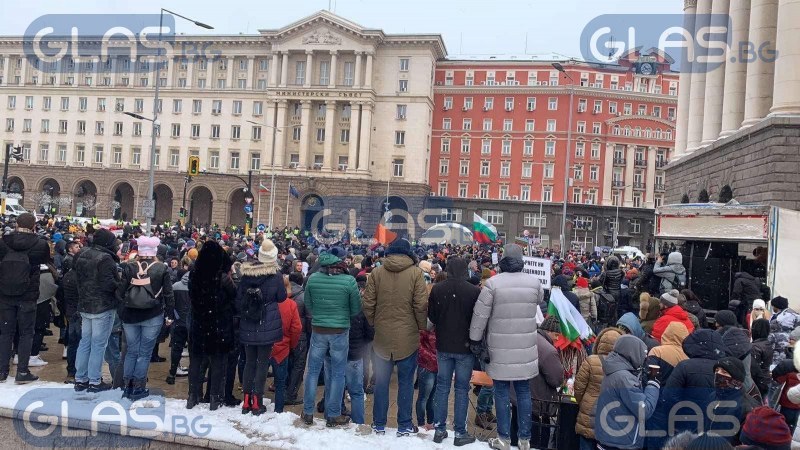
[89, 202]
[64, 202]
[42, 200]
[114, 206]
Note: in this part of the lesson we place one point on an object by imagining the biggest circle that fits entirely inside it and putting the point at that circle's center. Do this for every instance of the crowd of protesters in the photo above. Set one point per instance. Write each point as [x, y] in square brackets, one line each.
[346, 315]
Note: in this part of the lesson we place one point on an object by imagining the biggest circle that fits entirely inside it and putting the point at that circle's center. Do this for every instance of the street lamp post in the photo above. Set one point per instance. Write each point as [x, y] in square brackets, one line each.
[275, 131]
[186, 180]
[616, 219]
[561, 69]
[152, 172]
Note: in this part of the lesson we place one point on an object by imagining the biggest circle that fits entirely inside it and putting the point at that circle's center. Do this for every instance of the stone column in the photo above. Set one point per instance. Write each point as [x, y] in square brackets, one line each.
[786, 96]
[231, 71]
[629, 155]
[153, 77]
[698, 87]
[280, 138]
[684, 88]
[330, 117]
[650, 180]
[366, 134]
[735, 72]
[273, 70]
[332, 70]
[189, 72]
[357, 78]
[170, 71]
[355, 120]
[368, 74]
[285, 69]
[251, 72]
[608, 172]
[309, 68]
[6, 69]
[57, 74]
[305, 127]
[715, 88]
[760, 73]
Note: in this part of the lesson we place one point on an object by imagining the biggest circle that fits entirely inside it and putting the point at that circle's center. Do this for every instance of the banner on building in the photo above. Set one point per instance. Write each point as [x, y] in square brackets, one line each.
[540, 267]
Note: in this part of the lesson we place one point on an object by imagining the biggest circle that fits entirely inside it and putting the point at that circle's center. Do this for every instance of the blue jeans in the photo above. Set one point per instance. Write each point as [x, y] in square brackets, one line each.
[95, 329]
[141, 338]
[426, 383]
[405, 390]
[354, 374]
[459, 364]
[280, 371]
[337, 346]
[524, 406]
[485, 396]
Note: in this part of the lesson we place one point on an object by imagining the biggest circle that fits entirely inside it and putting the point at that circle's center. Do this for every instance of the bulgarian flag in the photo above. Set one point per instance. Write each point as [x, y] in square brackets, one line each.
[574, 328]
[483, 231]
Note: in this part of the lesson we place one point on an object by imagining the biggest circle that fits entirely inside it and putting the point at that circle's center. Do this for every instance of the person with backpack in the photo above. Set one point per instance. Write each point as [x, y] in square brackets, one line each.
[21, 254]
[260, 290]
[98, 281]
[672, 275]
[146, 292]
[279, 358]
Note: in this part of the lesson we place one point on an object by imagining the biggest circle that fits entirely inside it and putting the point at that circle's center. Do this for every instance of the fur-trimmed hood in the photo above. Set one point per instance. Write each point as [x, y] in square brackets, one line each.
[259, 269]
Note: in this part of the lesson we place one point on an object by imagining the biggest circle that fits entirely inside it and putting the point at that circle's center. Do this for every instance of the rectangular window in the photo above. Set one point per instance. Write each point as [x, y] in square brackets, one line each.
[255, 133]
[577, 172]
[348, 73]
[177, 106]
[466, 124]
[487, 124]
[27, 125]
[46, 103]
[344, 136]
[237, 107]
[195, 130]
[399, 138]
[62, 126]
[534, 220]
[258, 108]
[598, 106]
[503, 192]
[299, 72]
[397, 167]
[12, 101]
[118, 128]
[493, 217]
[216, 107]
[580, 149]
[483, 190]
[552, 103]
[136, 156]
[595, 150]
[137, 128]
[197, 106]
[324, 73]
[550, 148]
[584, 222]
[442, 189]
[44, 152]
[295, 133]
[320, 134]
[508, 125]
[486, 146]
[505, 169]
[506, 148]
[80, 154]
[234, 165]
[531, 104]
[551, 124]
[174, 157]
[485, 168]
[581, 127]
[529, 124]
[527, 149]
[176, 130]
[45, 125]
[594, 173]
[213, 160]
[255, 161]
[448, 103]
[29, 102]
[263, 65]
[637, 200]
[401, 112]
[444, 166]
[509, 103]
[467, 103]
[98, 154]
[463, 190]
[549, 169]
[465, 145]
[404, 62]
[343, 163]
[99, 128]
[596, 128]
[214, 131]
[533, 78]
[403, 86]
[488, 103]
[62, 153]
[10, 125]
[525, 193]
[236, 132]
[445, 145]
[463, 167]
[612, 107]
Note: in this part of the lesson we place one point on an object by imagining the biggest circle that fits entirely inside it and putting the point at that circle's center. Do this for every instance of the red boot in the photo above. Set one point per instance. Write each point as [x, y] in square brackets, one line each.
[246, 404]
[257, 405]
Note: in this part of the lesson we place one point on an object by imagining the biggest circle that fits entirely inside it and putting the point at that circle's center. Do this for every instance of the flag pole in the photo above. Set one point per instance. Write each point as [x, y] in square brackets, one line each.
[288, 195]
[258, 207]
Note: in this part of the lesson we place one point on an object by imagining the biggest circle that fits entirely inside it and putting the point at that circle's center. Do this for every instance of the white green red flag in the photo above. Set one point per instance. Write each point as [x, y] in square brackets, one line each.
[482, 231]
[573, 326]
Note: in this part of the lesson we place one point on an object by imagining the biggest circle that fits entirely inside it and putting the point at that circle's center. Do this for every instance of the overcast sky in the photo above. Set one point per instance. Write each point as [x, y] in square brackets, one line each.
[469, 27]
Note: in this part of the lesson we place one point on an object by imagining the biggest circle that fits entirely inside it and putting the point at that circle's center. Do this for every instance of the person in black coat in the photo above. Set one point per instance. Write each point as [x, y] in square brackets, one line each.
[611, 278]
[746, 288]
[761, 355]
[18, 310]
[299, 354]
[361, 335]
[260, 325]
[180, 328]
[69, 284]
[211, 330]
[562, 282]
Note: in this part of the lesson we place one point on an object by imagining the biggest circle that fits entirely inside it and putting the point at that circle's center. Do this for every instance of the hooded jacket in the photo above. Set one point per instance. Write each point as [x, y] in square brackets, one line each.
[545, 386]
[183, 304]
[97, 276]
[396, 304]
[213, 297]
[38, 253]
[450, 306]
[611, 278]
[704, 348]
[290, 328]
[589, 378]
[630, 322]
[588, 304]
[623, 399]
[670, 273]
[670, 352]
[267, 278]
[160, 280]
[505, 314]
[746, 288]
[298, 296]
[648, 313]
[694, 308]
[332, 299]
[669, 315]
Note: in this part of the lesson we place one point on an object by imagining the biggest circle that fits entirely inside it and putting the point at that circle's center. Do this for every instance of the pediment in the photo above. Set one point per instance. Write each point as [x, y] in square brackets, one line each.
[324, 30]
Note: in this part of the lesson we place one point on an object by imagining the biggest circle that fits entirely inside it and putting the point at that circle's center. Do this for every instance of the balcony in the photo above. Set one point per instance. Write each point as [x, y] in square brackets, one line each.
[618, 184]
[638, 186]
[660, 188]
[640, 163]
[661, 163]
[619, 161]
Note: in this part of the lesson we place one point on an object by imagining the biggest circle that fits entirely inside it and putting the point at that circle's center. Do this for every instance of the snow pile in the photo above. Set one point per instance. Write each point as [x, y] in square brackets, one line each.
[157, 415]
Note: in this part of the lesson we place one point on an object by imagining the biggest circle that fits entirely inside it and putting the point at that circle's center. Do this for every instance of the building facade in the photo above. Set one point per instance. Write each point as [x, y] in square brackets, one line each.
[500, 139]
[348, 108]
[739, 121]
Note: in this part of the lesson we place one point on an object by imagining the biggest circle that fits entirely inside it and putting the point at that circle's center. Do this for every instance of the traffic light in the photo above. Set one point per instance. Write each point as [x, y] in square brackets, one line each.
[194, 166]
[183, 212]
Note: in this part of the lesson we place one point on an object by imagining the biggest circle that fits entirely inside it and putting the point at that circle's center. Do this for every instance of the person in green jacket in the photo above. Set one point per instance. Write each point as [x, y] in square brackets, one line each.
[332, 298]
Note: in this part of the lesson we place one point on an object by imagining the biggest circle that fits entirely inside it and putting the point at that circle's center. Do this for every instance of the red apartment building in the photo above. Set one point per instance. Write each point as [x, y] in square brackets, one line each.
[500, 137]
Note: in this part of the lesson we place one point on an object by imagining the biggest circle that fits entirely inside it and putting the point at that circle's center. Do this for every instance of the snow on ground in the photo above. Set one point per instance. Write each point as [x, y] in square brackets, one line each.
[158, 415]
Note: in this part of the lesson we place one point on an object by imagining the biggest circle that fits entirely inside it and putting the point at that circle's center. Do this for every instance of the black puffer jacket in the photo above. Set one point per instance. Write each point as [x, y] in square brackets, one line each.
[746, 288]
[693, 307]
[361, 334]
[704, 348]
[97, 275]
[611, 278]
[38, 253]
[298, 295]
[450, 305]
[160, 281]
[69, 284]
[268, 278]
[760, 363]
[183, 304]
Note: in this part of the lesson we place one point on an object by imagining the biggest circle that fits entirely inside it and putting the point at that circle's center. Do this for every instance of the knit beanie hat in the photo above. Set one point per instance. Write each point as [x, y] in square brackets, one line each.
[551, 323]
[759, 304]
[780, 303]
[726, 318]
[192, 253]
[766, 428]
[268, 253]
[670, 298]
[733, 366]
[582, 282]
[399, 247]
[148, 246]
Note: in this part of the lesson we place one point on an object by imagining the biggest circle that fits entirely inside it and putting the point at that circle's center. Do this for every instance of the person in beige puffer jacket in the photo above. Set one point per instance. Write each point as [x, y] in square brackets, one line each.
[588, 380]
[586, 300]
[648, 311]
